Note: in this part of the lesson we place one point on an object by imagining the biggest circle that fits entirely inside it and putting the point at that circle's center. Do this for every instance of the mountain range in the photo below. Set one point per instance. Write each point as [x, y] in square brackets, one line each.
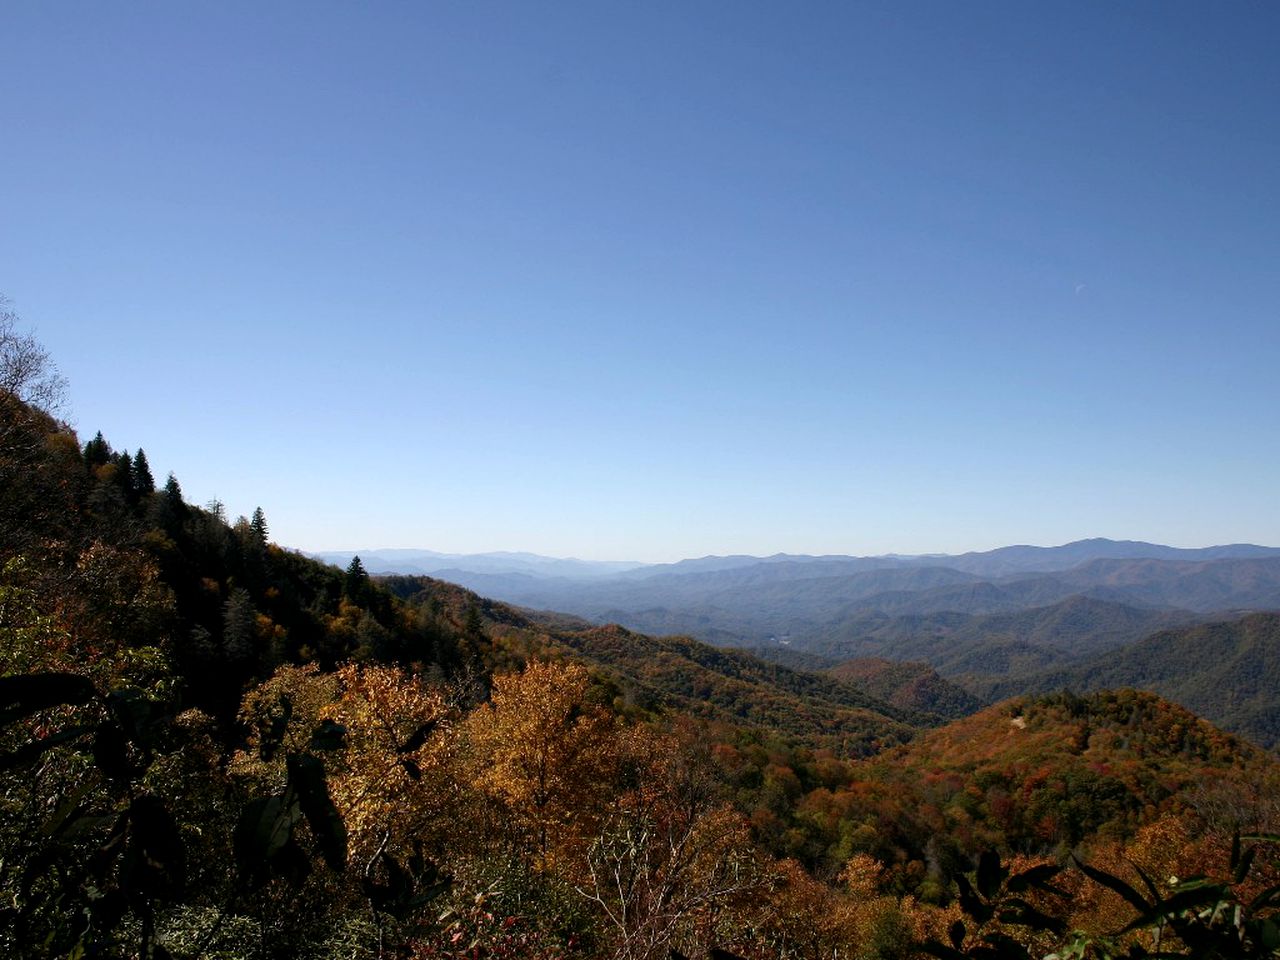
[1059, 602]
[1002, 561]
[183, 693]
[929, 635]
[417, 562]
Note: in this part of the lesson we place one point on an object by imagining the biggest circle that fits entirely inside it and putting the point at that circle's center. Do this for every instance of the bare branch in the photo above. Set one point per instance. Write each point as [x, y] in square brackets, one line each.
[26, 371]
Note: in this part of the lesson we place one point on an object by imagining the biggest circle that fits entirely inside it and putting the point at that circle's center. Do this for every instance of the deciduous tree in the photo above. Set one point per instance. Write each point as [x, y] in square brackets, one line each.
[546, 754]
[26, 371]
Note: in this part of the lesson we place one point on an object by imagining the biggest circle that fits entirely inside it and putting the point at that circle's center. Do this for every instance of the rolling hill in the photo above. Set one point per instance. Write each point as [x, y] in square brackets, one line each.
[907, 685]
[1020, 642]
[1035, 772]
[1228, 672]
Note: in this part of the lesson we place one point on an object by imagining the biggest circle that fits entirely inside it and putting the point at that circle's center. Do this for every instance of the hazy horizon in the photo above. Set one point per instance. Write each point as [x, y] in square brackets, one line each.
[664, 281]
[759, 554]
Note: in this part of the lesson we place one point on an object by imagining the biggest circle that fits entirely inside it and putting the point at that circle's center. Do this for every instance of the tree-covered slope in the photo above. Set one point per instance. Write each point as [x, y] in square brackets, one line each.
[117, 562]
[683, 675]
[1228, 672]
[907, 685]
[1035, 772]
[1017, 643]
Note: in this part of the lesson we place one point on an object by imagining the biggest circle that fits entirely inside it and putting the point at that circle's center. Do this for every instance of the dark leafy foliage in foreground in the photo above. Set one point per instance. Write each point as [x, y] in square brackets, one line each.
[1198, 916]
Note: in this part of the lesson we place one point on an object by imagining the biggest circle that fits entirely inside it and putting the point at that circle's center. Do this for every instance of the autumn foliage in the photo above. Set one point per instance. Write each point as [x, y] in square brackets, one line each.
[213, 747]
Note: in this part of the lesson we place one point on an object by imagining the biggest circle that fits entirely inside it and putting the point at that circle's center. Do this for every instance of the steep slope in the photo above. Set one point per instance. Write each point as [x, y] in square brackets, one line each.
[116, 563]
[1228, 672]
[701, 680]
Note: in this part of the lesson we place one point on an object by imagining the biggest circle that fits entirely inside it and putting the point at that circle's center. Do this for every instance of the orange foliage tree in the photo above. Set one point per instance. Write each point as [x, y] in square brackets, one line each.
[546, 756]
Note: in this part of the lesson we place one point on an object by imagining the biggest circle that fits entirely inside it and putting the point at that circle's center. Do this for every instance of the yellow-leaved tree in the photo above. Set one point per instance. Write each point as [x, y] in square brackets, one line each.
[546, 756]
[394, 784]
[389, 776]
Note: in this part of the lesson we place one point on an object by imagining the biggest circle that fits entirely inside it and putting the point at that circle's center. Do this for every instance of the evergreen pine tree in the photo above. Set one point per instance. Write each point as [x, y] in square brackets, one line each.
[175, 506]
[124, 475]
[356, 584]
[239, 626]
[259, 526]
[473, 636]
[142, 479]
[473, 626]
[97, 451]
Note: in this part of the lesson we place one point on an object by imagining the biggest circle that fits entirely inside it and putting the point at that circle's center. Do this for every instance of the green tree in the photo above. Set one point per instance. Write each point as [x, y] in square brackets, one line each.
[97, 452]
[259, 526]
[239, 626]
[172, 490]
[142, 478]
[124, 477]
[356, 583]
[167, 510]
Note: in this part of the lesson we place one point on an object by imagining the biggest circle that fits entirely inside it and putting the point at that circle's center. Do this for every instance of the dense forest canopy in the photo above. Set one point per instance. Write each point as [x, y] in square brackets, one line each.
[211, 746]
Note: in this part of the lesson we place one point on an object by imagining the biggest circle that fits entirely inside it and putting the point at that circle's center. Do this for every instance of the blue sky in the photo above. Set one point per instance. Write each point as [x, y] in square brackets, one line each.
[645, 281]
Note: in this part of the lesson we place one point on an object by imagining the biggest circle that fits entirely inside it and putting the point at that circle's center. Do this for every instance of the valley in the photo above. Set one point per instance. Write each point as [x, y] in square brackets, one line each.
[994, 624]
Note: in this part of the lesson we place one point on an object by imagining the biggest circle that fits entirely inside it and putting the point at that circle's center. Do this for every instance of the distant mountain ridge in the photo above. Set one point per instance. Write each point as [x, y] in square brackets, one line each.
[414, 562]
[997, 622]
[758, 604]
[1001, 561]
[1004, 561]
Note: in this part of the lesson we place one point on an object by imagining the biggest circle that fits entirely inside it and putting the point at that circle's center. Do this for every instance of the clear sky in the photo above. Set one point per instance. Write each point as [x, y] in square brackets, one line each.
[653, 280]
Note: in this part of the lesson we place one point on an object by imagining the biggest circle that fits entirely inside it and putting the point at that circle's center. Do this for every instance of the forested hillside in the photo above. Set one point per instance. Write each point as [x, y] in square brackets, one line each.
[999, 644]
[211, 746]
[908, 685]
[1229, 671]
[657, 674]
